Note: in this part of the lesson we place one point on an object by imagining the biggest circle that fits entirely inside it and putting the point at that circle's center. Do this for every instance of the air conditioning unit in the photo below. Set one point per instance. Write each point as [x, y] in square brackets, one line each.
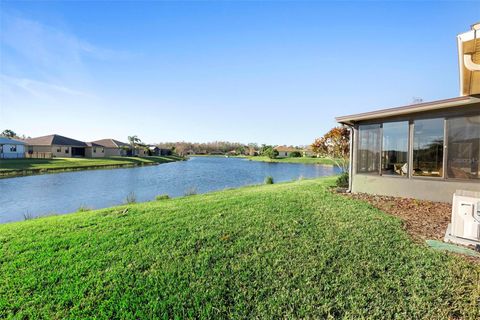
[465, 224]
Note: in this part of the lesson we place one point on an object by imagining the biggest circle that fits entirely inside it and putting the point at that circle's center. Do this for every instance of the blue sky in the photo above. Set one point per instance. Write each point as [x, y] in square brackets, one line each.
[268, 72]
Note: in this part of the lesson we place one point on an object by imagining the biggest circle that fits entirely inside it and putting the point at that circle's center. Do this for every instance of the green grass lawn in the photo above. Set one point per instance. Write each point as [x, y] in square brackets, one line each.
[291, 250]
[18, 166]
[305, 160]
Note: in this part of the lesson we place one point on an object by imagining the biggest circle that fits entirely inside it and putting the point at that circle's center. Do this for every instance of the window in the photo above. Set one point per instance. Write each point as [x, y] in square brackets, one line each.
[463, 148]
[59, 150]
[395, 148]
[428, 148]
[369, 145]
[13, 148]
[94, 150]
[103, 150]
[66, 150]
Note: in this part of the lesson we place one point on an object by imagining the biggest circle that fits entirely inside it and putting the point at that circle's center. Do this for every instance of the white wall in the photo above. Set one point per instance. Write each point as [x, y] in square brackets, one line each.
[6, 152]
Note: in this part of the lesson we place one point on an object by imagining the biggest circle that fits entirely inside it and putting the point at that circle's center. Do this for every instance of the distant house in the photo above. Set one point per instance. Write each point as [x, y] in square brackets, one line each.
[141, 151]
[94, 150]
[107, 148]
[232, 153]
[308, 152]
[11, 148]
[55, 146]
[284, 151]
[156, 151]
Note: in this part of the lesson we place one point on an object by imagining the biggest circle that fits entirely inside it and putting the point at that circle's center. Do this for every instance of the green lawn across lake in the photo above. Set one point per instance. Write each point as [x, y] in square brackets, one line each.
[305, 160]
[289, 250]
[20, 166]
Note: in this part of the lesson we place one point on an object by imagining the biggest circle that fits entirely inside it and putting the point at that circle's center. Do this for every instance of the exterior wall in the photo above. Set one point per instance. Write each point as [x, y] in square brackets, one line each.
[39, 148]
[434, 189]
[418, 188]
[141, 152]
[54, 150]
[100, 152]
[59, 151]
[42, 152]
[7, 154]
[114, 152]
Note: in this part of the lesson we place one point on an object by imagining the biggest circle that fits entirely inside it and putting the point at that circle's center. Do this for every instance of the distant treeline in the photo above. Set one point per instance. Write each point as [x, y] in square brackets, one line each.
[216, 147]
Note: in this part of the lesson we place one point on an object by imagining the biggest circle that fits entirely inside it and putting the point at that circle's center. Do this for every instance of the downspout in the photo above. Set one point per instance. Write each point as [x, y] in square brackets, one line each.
[350, 164]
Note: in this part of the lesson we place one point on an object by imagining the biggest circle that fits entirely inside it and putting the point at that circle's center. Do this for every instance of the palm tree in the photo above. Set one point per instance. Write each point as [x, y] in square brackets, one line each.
[134, 141]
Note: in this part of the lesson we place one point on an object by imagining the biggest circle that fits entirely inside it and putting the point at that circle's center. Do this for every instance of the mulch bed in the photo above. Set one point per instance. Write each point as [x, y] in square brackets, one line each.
[423, 219]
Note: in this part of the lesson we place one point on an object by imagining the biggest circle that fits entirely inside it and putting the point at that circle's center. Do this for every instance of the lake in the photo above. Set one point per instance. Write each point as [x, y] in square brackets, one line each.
[66, 192]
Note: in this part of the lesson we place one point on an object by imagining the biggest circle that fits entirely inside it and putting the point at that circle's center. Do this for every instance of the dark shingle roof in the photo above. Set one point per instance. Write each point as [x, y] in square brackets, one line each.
[93, 144]
[54, 139]
[110, 143]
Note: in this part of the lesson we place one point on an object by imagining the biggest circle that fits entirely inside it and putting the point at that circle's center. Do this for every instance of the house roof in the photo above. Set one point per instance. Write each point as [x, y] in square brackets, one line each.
[409, 109]
[110, 143]
[54, 139]
[285, 148]
[93, 144]
[5, 140]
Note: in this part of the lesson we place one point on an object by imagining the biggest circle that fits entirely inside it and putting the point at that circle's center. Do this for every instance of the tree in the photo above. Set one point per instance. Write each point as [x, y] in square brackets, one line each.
[252, 149]
[334, 145]
[8, 133]
[134, 142]
[270, 152]
[181, 148]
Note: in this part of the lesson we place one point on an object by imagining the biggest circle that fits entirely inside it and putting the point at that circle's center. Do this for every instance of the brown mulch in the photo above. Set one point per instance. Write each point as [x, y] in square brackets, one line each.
[422, 219]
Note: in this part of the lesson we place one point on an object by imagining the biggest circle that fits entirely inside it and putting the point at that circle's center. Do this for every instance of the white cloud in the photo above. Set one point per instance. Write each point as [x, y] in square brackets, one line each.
[46, 70]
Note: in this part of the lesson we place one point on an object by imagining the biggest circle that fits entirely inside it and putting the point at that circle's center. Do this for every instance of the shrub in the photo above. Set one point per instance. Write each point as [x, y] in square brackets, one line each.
[27, 216]
[190, 191]
[269, 180]
[131, 198]
[162, 197]
[83, 208]
[295, 154]
[342, 180]
[270, 152]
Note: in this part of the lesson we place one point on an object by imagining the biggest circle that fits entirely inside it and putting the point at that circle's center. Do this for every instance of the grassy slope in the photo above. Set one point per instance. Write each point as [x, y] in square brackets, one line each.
[274, 251]
[11, 166]
[304, 160]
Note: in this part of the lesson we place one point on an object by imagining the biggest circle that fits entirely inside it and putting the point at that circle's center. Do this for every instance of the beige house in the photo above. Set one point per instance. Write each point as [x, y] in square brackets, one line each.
[284, 151]
[55, 146]
[308, 152]
[107, 148]
[427, 150]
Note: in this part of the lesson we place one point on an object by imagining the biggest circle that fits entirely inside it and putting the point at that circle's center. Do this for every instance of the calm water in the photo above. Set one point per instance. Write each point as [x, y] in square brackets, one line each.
[66, 192]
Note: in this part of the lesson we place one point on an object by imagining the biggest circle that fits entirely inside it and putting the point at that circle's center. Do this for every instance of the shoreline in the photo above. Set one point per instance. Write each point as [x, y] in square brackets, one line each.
[135, 162]
[299, 160]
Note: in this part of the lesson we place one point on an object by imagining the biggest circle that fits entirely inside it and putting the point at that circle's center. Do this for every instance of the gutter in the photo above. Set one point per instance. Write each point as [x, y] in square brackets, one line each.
[350, 162]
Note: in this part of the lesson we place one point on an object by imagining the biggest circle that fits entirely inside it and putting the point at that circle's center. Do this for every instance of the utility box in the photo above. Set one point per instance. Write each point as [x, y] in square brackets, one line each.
[465, 225]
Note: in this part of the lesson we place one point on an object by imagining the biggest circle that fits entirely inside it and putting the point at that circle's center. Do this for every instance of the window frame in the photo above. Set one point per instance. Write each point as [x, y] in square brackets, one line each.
[446, 178]
[410, 119]
[357, 148]
[412, 176]
[409, 152]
